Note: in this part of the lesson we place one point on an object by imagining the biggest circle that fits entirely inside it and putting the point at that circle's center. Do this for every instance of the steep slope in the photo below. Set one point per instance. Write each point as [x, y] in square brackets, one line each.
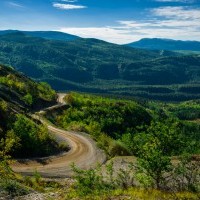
[19, 95]
[166, 44]
[18, 89]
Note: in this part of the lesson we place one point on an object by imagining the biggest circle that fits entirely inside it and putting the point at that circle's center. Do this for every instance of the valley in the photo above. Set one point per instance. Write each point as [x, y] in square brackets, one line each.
[95, 66]
[118, 119]
[100, 100]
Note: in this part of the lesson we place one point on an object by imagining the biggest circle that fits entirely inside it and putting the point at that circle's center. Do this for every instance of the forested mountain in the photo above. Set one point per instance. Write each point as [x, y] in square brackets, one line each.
[166, 44]
[96, 66]
[52, 35]
[164, 71]
[154, 133]
[78, 61]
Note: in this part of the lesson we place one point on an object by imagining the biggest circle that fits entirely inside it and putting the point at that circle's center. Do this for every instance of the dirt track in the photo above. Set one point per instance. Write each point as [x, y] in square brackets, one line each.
[83, 153]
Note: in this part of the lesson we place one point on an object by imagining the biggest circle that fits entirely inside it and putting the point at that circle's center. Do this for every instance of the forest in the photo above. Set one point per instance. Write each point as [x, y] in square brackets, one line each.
[91, 65]
[20, 95]
[129, 107]
[119, 125]
[157, 136]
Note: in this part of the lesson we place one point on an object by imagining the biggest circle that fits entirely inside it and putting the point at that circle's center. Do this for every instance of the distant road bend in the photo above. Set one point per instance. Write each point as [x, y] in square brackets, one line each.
[83, 153]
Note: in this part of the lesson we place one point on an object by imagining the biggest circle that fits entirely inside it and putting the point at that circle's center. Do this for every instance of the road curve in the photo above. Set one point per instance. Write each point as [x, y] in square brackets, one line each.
[83, 152]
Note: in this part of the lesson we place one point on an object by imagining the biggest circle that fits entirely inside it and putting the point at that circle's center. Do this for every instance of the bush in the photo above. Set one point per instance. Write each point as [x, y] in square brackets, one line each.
[14, 188]
[28, 99]
[34, 139]
[186, 175]
[118, 149]
[63, 146]
[88, 181]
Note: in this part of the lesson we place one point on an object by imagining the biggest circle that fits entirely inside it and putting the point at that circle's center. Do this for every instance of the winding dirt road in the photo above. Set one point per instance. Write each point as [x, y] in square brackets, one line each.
[83, 153]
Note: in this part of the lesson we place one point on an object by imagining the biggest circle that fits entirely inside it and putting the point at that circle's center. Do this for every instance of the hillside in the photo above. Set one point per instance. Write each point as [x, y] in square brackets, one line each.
[166, 44]
[151, 131]
[76, 61]
[166, 79]
[19, 95]
[164, 71]
[114, 123]
[91, 65]
[18, 89]
[52, 35]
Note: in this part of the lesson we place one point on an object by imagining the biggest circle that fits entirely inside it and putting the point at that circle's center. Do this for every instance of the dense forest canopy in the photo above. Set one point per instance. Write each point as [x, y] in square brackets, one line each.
[96, 66]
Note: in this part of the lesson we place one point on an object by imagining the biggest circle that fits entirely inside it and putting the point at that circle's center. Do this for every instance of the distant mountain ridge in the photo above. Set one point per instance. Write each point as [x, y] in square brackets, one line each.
[78, 60]
[145, 43]
[166, 44]
[91, 65]
[51, 35]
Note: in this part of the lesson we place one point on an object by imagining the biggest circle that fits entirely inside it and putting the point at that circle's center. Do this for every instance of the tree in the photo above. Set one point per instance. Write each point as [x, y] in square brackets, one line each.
[154, 150]
[153, 164]
[6, 146]
[28, 99]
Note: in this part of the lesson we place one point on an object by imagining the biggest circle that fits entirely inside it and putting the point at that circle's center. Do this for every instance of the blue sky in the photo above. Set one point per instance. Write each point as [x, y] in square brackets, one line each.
[118, 21]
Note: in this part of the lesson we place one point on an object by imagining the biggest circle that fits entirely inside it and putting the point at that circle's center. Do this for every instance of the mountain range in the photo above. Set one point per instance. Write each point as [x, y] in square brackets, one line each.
[97, 66]
[51, 35]
[166, 44]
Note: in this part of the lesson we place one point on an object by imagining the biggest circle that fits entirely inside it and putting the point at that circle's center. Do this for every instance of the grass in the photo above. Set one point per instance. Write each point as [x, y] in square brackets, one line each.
[134, 194]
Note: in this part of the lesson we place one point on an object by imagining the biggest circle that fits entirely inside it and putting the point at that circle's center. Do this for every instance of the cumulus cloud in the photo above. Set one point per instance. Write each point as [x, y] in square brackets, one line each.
[163, 22]
[63, 6]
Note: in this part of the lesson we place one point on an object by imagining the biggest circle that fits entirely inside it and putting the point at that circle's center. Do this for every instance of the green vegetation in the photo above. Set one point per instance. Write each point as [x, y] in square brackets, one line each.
[189, 110]
[155, 146]
[135, 193]
[35, 139]
[153, 132]
[103, 118]
[13, 184]
[90, 65]
[157, 134]
[166, 44]
[25, 89]
[19, 95]
[52, 35]
[123, 127]
[178, 181]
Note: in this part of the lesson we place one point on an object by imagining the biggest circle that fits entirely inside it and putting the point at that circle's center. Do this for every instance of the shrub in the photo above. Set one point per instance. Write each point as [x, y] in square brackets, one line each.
[14, 188]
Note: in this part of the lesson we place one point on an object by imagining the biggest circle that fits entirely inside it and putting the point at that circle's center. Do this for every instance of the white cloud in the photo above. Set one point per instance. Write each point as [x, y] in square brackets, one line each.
[181, 1]
[177, 13]
[14, 4]
[164, 22]
[63, 6]
[69, 1]
[109, 34]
